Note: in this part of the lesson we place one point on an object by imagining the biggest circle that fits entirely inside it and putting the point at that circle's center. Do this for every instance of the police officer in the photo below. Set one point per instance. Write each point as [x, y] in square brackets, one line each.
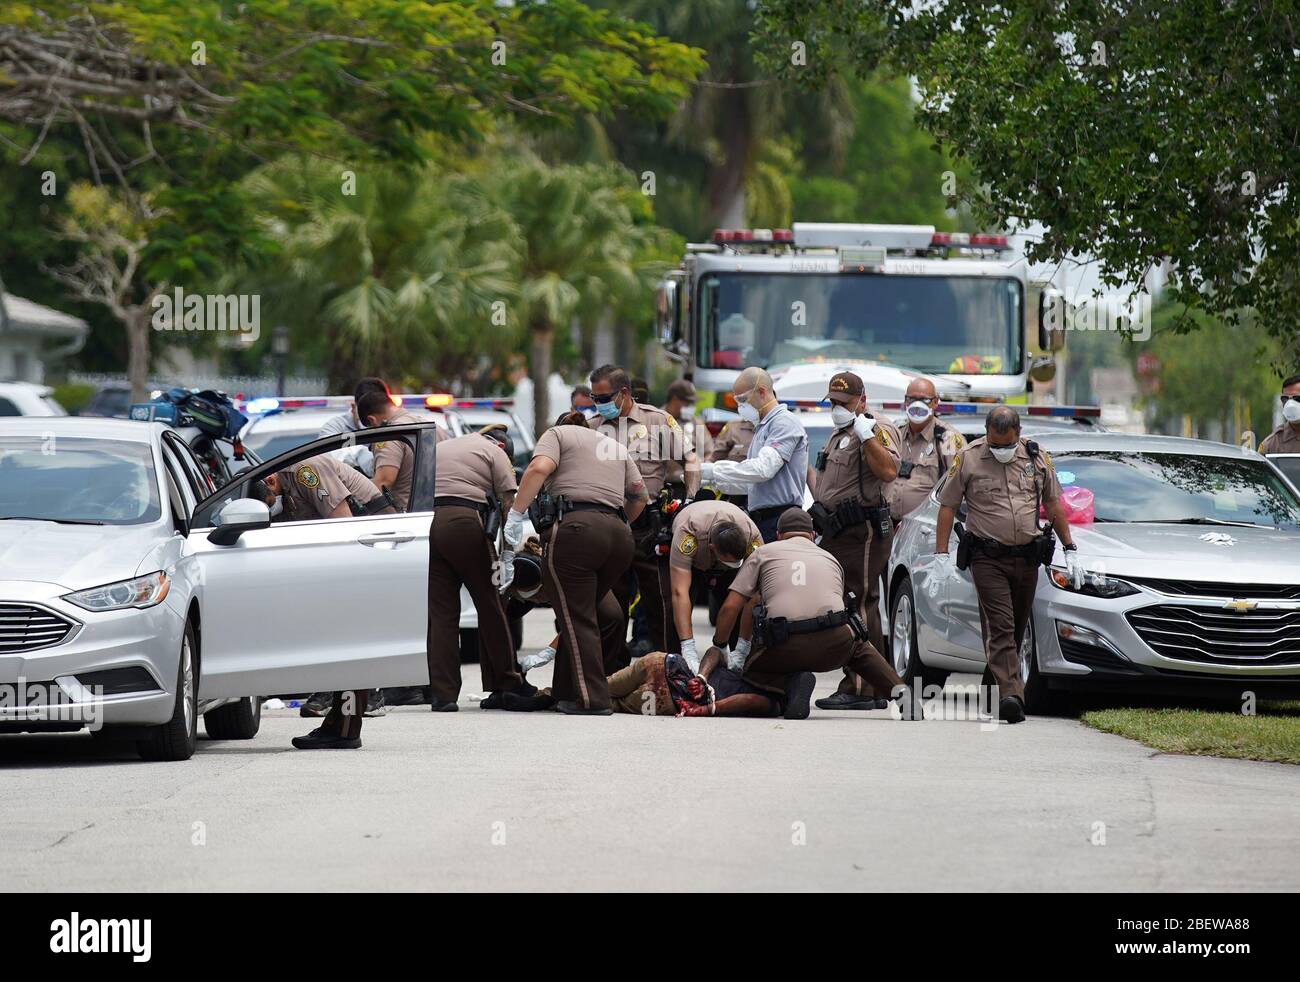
[475, 479]
[595, 489]
[680, 405]
[321, 487]
[774, 472]
[709, 537]
[1003, 480]
[348, 422]
[798, 589]
[394, 459]
[660, 451]
[1286, 438]
[927, 450]
[852, 515]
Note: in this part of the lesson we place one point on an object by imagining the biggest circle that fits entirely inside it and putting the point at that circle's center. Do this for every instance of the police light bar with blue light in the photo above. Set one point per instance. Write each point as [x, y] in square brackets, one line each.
[958, 408]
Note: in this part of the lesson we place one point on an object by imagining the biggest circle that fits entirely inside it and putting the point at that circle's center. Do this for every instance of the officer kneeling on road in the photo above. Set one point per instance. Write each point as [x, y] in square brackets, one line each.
[1003, 480]
[321, 487]
[475, 480]
[586, 489]
[800, 622]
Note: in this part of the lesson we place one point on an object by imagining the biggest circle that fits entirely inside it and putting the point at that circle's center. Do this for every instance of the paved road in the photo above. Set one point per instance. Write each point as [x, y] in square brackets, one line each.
[486, 800]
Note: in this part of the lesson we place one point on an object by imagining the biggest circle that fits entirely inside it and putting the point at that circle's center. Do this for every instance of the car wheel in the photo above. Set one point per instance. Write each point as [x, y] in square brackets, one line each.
[175, 739]
[469, 646]
[235, 721]
[1039, 699]
[904, 650]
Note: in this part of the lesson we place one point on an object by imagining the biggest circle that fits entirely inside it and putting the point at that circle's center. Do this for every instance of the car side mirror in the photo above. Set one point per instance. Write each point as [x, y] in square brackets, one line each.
[236, 517]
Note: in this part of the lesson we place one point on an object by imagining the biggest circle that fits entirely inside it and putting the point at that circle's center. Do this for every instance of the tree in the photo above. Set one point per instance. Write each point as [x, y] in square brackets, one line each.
[589, 250]
[1134, 131]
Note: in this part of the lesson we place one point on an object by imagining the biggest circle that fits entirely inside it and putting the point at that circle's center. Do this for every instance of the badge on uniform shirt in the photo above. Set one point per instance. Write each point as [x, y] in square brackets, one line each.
[929, 449]
[638, 431]
[307, 477]
[688, 545]
[844, 442]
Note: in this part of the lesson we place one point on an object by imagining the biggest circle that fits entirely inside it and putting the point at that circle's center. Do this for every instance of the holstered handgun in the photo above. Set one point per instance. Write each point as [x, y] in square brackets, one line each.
[855, 619]
[823, 520]
[492, 517]
[385, 502]
[1047, 547]
[760, 637]
[545, 511]
[965, 545]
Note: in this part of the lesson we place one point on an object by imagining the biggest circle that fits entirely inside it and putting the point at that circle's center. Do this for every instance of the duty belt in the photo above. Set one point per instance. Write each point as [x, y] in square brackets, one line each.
[447, 500]
[1000, 550]
[593, 506]
[773, 631]
[758, 514]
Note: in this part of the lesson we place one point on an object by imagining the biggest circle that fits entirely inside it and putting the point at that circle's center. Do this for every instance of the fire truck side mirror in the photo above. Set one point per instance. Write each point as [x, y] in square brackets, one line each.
[667, 312]
[1052, 316]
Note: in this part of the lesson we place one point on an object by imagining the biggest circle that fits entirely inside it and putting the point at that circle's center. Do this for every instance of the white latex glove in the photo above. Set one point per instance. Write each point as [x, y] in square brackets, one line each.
[863, 427]
[358, 456]
[507, 568]
[706, 472]
[741, 653]
[941, 571]
[689, 653]
[1074, 567]
[514, 528]
[537, 659]
[736, 659]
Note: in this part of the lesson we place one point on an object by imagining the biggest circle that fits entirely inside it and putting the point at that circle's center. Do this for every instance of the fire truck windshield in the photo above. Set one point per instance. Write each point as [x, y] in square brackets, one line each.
[966, 325]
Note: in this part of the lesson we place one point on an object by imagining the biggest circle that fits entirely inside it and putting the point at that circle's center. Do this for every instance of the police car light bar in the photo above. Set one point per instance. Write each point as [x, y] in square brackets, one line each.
[980, 408]
[753, 236]
[962, 240]
[486, 403]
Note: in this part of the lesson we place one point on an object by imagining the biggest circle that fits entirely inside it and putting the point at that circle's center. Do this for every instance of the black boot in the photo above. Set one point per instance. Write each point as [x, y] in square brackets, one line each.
[318, 739]
[496, 700]
[449, 706]
[847, 700]
[1011, 709]
[317, 705]
[798, 690]
[573, 709]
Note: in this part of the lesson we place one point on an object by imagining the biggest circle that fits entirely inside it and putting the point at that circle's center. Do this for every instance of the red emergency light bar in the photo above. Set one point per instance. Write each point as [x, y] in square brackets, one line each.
[961, 408]
[779, 236]
[965, 240]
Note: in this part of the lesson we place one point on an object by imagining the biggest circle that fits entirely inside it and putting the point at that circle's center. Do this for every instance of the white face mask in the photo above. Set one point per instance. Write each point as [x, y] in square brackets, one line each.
[688, 413]
[1291, 411]
[277, 506]
[1004, 455]
[919, 411]
[841, 416]
[733, 565]
[748, 411]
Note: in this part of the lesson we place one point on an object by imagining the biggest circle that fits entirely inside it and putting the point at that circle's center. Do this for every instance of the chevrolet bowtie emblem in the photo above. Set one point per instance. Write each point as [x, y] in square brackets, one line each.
[1240, 606]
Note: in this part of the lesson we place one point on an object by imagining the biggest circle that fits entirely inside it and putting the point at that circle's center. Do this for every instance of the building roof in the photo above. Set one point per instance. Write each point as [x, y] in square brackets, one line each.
[29, 317]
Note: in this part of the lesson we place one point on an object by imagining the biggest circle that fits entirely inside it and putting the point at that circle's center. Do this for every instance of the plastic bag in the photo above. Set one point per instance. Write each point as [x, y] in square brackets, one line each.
[1077, 503]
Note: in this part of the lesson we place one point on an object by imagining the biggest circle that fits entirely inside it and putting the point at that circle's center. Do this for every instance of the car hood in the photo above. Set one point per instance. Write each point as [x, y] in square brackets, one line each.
[73, 556]
[1209, 553]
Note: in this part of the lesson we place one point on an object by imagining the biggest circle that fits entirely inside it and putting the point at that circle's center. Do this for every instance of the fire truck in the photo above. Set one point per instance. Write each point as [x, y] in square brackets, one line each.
[889, 302]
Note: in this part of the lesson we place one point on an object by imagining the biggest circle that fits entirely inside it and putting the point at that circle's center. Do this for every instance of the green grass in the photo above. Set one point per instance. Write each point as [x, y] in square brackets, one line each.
[1272, 734]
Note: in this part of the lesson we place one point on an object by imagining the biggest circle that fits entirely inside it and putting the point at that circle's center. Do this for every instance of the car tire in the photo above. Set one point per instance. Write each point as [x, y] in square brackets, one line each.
[904, 651]
[1039, 699]
[235, 721]
[469, 646]
[176, 739]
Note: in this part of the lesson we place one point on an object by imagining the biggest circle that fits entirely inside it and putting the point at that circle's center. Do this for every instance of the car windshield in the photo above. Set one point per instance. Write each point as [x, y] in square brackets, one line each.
[1290, 466]
[954, 324]
[1184, 488]
[77, 481]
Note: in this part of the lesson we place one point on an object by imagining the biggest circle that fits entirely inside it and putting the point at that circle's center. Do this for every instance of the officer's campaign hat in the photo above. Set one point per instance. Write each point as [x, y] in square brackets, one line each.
[845, 387]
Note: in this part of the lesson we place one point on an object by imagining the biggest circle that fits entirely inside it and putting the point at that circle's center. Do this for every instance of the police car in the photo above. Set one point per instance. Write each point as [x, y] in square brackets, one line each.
[277, 425]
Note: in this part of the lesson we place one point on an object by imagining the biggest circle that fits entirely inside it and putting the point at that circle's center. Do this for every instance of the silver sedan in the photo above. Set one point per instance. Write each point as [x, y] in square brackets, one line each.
[1193, 582]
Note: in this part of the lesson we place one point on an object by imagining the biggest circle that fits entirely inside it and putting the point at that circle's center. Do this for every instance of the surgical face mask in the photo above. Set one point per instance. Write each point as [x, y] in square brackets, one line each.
[607, 410]
[841, 416]
[1291, 411]
[918, 411]
[735, 564]
[748, 412]
[1004, 455]
[277, 506]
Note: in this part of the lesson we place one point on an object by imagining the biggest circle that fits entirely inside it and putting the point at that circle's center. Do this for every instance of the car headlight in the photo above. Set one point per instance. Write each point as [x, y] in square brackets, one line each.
[1094, 584]
[143, 591]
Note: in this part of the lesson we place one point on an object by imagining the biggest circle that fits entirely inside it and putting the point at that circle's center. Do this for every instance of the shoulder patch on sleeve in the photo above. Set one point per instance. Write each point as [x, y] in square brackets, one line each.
[688, 545]
[306, 476]
[672, 421]
[884, 437]
[380, 445]
[754, 544]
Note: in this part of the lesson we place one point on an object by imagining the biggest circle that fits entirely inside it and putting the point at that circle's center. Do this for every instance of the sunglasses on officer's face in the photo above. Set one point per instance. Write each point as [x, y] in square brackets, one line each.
[1288, 398]
[602, 399]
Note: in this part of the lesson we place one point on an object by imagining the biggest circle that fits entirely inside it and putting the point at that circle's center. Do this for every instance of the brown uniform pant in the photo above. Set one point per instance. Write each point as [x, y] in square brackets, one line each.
[459, 553]
[821, 651]
[864, 555]
[345, 715]
[1006, 590]
[655, 584]
[586, 554]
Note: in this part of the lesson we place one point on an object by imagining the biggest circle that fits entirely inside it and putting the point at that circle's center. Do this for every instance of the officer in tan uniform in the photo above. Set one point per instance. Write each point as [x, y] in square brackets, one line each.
[851, 514]
[1286, 438]
[927, 449]
[1003, 480]
[708, 536]
[592, 490]
[475, 480]
[661, 451]
[800, 622]
[394, 459]
[680, 405]
[315, 488]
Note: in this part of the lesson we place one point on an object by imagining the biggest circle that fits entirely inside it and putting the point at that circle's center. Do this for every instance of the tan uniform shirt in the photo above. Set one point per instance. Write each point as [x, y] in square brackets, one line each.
[1284, 439]
[929, 463]
[794, 578]
[848, 474]
[1001, 499]
[653, 439]
[471, 465]
[313, 488]
[589, 467]
[692, 527]
[399, 454]
[733, 441]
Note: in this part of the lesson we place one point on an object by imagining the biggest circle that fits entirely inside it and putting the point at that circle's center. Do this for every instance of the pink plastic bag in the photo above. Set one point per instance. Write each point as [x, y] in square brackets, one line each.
[1077, 503]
